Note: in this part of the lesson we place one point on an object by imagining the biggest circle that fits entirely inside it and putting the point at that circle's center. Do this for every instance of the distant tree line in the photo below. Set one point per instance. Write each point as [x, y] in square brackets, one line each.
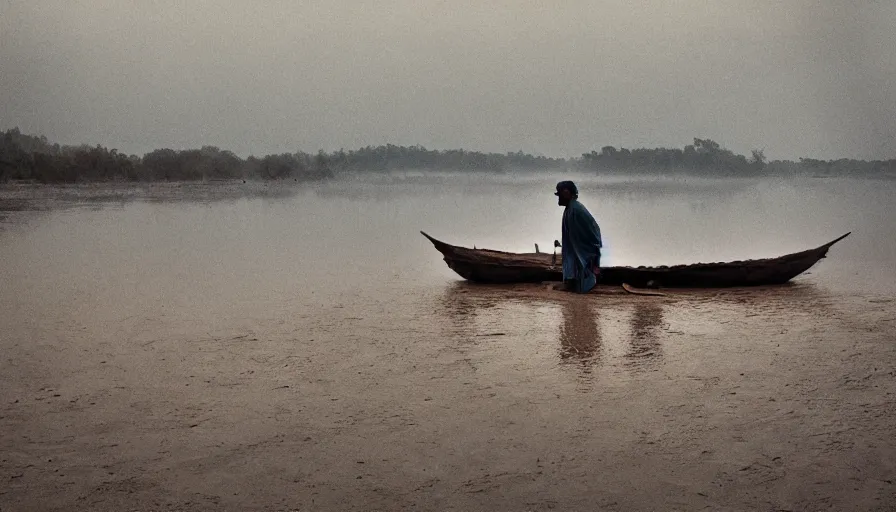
[704, 156]
[391, 157]
[29, 157]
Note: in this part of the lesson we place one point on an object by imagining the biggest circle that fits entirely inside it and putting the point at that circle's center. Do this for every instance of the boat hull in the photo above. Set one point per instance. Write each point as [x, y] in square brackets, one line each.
[489, 266]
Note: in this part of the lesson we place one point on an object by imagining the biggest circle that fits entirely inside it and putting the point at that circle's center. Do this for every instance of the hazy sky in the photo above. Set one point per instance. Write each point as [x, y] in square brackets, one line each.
[797, 78]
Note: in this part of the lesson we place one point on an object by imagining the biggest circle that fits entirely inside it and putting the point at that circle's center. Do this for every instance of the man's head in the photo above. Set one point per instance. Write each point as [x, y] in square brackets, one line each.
[566, 192]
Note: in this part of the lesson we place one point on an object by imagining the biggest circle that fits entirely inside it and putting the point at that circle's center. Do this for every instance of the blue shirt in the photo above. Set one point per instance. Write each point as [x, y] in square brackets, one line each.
[581, 246]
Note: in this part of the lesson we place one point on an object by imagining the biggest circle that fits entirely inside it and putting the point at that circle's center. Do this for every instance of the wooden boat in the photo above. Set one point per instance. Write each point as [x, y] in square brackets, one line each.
[489, 266]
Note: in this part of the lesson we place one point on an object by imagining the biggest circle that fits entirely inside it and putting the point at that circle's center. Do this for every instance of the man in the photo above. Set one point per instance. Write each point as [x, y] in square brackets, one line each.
[581, 241]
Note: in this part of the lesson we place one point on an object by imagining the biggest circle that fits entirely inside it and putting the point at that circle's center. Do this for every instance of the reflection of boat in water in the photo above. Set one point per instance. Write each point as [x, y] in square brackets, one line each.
[599, 335]
[580, 341]
[489, 266]
[587, 332]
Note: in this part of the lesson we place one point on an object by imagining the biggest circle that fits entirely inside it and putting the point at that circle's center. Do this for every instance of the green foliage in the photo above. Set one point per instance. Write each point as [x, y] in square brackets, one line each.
[705, 156]
[26, 157]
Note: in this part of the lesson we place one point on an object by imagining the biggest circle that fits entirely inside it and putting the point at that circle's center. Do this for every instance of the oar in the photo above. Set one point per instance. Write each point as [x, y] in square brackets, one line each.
[639, 291]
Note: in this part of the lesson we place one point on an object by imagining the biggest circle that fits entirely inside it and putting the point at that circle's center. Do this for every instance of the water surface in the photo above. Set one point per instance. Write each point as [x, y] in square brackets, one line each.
[180, 339]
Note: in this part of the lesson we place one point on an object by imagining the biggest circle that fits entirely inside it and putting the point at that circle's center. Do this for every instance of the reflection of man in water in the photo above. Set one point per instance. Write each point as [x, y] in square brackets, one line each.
[581, 241]
[580, 337]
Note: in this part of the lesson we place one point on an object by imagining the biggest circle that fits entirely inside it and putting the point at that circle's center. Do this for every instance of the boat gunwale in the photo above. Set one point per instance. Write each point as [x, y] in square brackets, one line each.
[451, 252]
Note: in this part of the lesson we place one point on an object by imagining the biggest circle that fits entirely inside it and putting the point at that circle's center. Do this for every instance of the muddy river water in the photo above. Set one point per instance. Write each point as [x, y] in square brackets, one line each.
[282, 347]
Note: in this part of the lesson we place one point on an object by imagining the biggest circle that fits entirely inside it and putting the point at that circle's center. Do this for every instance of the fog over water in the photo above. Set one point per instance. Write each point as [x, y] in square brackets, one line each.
[361, 235]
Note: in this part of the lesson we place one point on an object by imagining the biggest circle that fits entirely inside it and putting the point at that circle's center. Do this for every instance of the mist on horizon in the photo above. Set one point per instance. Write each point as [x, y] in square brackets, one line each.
[794, 79]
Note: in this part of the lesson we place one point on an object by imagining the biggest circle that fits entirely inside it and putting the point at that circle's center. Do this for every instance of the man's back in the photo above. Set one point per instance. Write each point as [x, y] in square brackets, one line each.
[579, 210]
[581, 247]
